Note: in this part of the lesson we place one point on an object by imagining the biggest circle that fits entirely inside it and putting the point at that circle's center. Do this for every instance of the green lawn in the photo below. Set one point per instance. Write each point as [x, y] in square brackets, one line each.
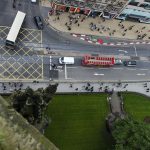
[137, 105]
[78, 122]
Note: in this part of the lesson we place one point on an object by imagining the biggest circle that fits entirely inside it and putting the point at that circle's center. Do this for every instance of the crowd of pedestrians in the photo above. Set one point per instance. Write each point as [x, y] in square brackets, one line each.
[11, 86]
[87, 87]
[146, 87]
[103, 87]
[101, 26]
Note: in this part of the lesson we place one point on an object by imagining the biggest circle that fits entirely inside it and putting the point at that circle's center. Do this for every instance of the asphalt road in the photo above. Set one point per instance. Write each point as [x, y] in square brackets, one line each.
[117, 72]
[60, 41]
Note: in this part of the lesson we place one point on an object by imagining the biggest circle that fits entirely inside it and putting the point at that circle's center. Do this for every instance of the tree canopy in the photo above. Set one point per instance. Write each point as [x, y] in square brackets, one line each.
[31, 104]
[131, 135]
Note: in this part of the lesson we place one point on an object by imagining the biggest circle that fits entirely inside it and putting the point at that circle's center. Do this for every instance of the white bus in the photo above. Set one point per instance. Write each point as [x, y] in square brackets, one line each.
[14, 30]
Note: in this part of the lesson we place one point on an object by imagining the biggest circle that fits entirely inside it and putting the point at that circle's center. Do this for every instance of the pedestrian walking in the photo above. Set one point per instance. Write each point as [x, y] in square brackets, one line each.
[71, 85]
[76, 89]
[125, 30]
[123, 34]
[76, 21]
[122, 27]
[58, 18]
[86, 88]
[70, 23]
[88, 84]
[119, 24]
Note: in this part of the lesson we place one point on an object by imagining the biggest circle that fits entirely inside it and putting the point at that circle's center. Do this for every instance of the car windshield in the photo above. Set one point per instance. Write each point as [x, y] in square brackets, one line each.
[62, 59]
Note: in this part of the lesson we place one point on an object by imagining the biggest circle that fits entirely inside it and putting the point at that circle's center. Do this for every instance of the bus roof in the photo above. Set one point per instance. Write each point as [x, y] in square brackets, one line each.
[14, 30]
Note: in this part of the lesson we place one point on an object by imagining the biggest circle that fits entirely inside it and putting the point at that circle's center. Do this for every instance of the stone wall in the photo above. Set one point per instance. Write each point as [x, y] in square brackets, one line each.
[18, 134]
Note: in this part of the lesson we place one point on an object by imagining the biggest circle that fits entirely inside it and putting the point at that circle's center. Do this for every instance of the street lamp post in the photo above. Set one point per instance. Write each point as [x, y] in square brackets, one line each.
[135, 49]
[65, 71]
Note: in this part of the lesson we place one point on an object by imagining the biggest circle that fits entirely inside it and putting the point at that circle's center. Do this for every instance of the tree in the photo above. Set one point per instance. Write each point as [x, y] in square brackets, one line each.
[31, 104]
[131, 135]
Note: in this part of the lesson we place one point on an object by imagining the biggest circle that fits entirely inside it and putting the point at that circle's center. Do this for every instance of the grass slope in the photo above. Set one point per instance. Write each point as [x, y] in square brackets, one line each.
[137, 105]
[78, 122]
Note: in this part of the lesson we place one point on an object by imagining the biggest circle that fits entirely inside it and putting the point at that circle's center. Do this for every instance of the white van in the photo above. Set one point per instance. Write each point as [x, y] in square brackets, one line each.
[66, 60]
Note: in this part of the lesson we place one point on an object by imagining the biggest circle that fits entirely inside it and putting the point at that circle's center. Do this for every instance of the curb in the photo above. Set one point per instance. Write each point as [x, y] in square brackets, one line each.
[85, 37]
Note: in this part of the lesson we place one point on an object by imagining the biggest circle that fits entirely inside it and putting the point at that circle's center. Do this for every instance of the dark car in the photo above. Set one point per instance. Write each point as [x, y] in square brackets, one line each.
[131, 63]
[39, 22]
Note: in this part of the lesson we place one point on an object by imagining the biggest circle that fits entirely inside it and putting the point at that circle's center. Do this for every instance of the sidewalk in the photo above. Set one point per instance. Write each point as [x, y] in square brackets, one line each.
[98, 27]
[83, 87]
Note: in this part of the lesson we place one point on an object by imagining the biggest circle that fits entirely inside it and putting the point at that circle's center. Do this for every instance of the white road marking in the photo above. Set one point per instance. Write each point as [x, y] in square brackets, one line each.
[137, 43]
[71, 67]
[135, 50]
[140, 74]
[144, 69]
[120, 50]
[130, 69]
[60, 70]
[82, 38]
[118, 68]
[111, 44]
[97, 74]
[74, 35]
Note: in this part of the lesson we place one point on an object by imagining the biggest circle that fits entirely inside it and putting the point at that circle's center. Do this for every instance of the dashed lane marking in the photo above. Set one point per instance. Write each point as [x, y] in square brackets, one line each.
[140, 74]
[72, 67]
[98, 74]
[130, 69]
[144, 69]
[118, 68]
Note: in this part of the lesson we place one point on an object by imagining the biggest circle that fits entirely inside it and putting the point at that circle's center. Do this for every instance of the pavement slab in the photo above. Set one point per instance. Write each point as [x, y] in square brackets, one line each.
[103, 28]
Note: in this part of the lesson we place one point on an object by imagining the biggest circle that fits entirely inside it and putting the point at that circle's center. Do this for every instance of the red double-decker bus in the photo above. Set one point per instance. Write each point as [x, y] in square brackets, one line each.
[89, 60]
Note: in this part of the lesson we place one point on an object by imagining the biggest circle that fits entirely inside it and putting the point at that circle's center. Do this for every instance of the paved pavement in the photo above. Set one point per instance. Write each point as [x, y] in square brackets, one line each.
[107, 41]
[115, 103]
[50, 36]
[81, 87]
[108, 28]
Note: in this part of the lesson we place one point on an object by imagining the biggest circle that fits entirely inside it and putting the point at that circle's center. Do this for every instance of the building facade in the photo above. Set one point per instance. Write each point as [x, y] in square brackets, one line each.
[105, 8]
[136, 10]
